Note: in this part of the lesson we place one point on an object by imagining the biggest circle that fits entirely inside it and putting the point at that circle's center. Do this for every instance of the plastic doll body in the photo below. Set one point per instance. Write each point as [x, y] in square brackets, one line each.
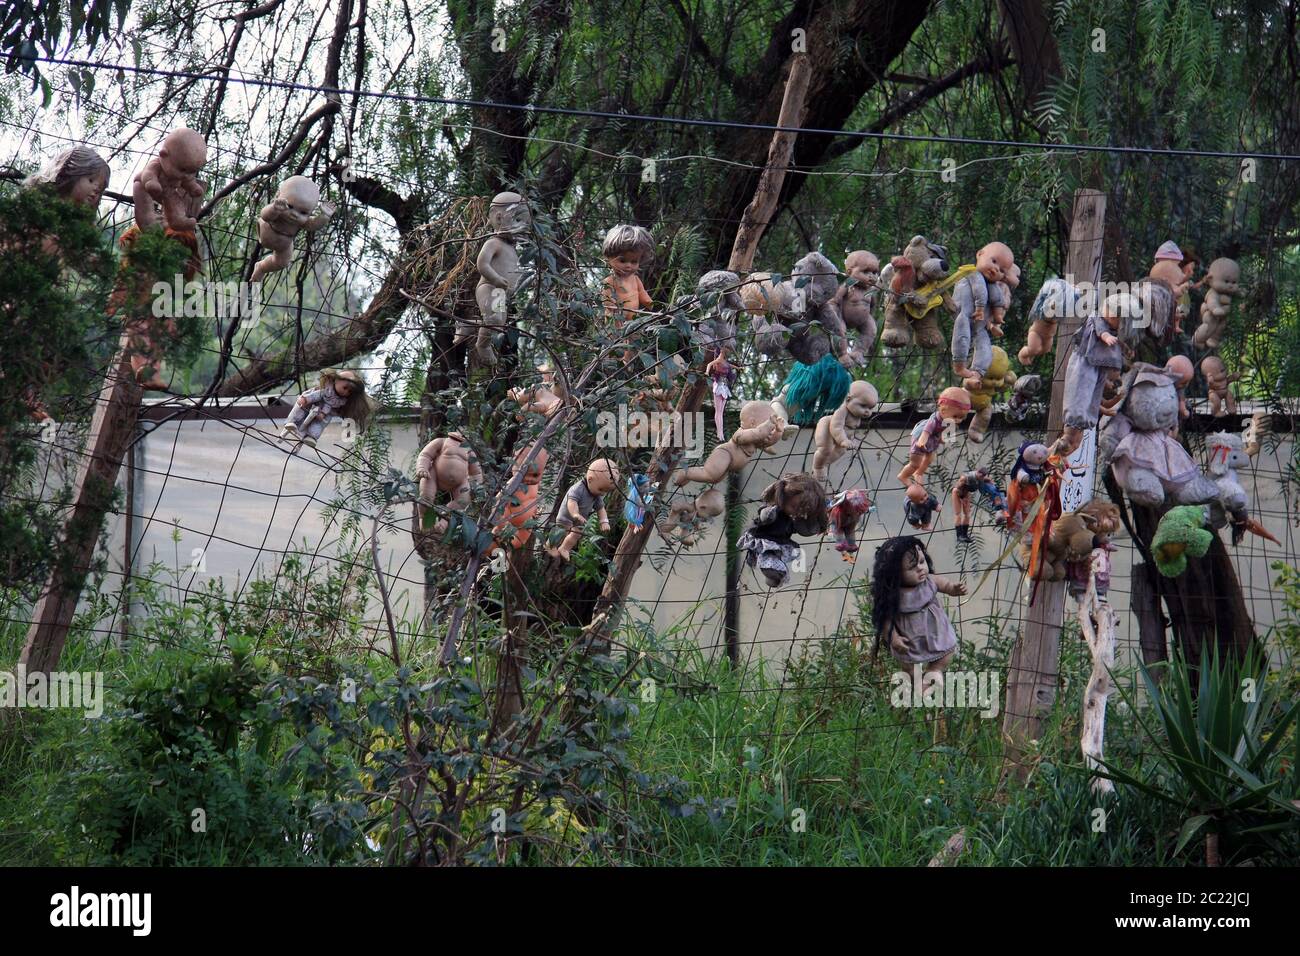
[1222, 277]
[169, 179]
[541, 399]
[499, 273]
[522, 506]
[928, 436]
[963, 499]
[833, 435]
[447, 465]
[857, 301]
[626, 250]
[1218, 385]
[284, 217]
[760, 428]
[970, 330]
[1056, 299]
[585, 497]
[920, 507]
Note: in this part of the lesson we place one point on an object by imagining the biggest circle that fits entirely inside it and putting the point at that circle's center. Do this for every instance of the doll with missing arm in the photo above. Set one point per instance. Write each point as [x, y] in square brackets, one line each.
[169, 179]
[288, 214]
[847, 509]
[340, 393]
[499, 273]
[449, 466]
[586, 495]
[963, 499]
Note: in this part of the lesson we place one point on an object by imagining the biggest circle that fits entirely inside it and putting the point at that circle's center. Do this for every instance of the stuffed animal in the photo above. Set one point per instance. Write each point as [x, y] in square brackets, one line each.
[833, 434]
[857, 302]
[971, 346]
[1228, 452]
[718, 301]
[794, 505]
[1071, 538]
[918, 282]
[1148, 462]
[1181, 533]
[998, 378]
[1222, 277]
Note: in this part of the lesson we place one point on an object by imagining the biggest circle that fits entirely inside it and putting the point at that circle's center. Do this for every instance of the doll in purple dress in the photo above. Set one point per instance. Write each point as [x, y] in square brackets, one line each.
[905, 607]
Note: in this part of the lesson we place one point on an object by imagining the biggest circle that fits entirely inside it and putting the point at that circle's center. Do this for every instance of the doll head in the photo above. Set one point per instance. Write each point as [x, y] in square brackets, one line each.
[1032, 456]
[900, 562]
[1213, 369]
[1223, 276]
[349, 385]
[954, 403]
[1190, 261]
[917, 494]
[799, 496]
[816, 276]
[509, 214]
[1171, 273]
[78, 174]
[928, 259]
[994, 261]
[1120, 306]
[710, 503]
[626, 248]
[863, 267]
[1180, 368]
[1169, 252]
[300, 193]
[183, 153]
[1012, 278]
[1100, 517]
[533, 476]
[862, 398]
[602, 476]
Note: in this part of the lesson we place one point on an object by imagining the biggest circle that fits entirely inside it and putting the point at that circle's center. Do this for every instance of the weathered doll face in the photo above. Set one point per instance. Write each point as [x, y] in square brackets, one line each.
[88, 190]
[343, 388]
[300, 193]
[1224, 275]
[513, 219]
[861, 399]
[863, 267]
[915, 569]
[602, 476]
[994, 261]
[954, 403]
[1012, 278]
[1180, 367]
[626, 263]
[1036, 455]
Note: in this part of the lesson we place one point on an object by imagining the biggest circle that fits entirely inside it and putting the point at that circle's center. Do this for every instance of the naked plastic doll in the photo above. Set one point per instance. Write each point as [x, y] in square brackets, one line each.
[760, 429]
[1222, 277]
[928, 436]
[1218, 385]
[833, 434]
[447, 465]
[1056, 298]
[1000, 300]
[857, 302]
[626, 249]
[499, 273]
[587, 495]
[541, 399]
[1180, 368]
[970, 329]
[288, 214]
[169, 179]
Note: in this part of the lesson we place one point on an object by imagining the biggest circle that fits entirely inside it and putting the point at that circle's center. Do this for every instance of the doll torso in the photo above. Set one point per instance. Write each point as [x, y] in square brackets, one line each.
[922, 620]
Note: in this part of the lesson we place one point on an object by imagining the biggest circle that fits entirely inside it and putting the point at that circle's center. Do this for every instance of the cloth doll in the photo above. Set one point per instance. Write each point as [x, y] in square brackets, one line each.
[1095, 350]
[1218, 385]
[1027, 476]
[169, 179]
[928, 436]
[906, 613]
[846, 510]
[288, 214]
[796, 504]
[585, 496]
[499, 271]
[970, 335]
[340, 393]
[920, 507]
[449, 466]
[833, 433]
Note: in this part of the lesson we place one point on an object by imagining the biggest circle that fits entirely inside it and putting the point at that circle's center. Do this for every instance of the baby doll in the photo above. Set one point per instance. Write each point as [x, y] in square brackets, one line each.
[928, 436]
[522, 507]
[832, 433]
[920, 507]
[78, 174]
[963, 499]
[846, 509]
[542, 399]
[1222, 277]
[970, 334]
[340, 393]
[1181, 371]
[626, 249]
[1027, 474]
[1218, 383]
[794, 505]
[857, 301]
[760, 428]
[1022, 396]
[1095, 350]
[169, 179]
[499, 273]
[1056, 299]
[686, 520]
[288, 214]
[585, 496]
[905, 609]
[722, 379]
[1000, 300]
[447, 465]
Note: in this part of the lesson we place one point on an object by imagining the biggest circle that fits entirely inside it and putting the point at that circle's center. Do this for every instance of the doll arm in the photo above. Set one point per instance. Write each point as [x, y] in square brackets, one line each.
[322, 218]
[148, 179]
[194, 187]
[424, 464]
[751, 437]
[951, 588]
[310, 397]
[604, 517]
[838, 434]
[571, 506]
[643, 297]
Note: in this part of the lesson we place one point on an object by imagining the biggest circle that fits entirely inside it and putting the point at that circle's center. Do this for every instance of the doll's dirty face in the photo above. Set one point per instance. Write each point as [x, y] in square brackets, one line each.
[1035, 455]
[343, 388]
[861, 399]
[511, 220]
[602, 476]
[627, 263]
[915, 569]
[1180, 367]
[88, 190]
[863, 268]
[994, 261]
[300, 193]
[1224, 275]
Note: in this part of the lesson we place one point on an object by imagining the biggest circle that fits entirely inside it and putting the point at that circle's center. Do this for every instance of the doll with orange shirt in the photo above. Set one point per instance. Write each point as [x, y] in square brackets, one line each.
[626, 249]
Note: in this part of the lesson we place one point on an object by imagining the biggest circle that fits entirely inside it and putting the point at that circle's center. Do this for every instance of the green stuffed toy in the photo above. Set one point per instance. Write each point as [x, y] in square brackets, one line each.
[1181, 533]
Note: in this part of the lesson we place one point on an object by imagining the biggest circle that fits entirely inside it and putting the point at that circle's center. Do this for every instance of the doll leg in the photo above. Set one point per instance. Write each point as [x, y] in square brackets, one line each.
[279, 259]
[711, 472]
[914, 470]
[934, 672]
[314, 430]
[565, 550]
[979, 425]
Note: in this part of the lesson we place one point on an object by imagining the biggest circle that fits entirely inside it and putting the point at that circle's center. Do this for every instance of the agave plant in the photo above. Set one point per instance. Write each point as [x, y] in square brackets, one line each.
[1219, 753]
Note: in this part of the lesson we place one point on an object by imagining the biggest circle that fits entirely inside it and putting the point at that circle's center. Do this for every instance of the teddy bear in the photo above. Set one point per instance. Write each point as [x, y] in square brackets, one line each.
[1137, 442]
[857, 301]
[1222, 277]
[1071, 538]
[917, 285]
[833, 431]
[998, 378]
[803, 306]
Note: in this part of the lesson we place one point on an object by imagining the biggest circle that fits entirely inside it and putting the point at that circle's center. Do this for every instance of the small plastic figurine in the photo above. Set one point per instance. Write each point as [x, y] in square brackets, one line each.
[918, 283]
[857, 301]
[499, 273]
[794, 505]
[1095, 351]
[585, 496]
[833, 431]
[1222, 277]
[846, 509]
[905, 608]
[920, 507]
[1027, 475]
[447, 465]
[760, 428]
[722, 379]
[340, 393]
[1022, 396]
[997, 379]
[626, 249]
[541, 399]
[288, 214]
[928, 436]
[78, 174]
[970, 334]
[522, 507]
[1218, 385]
[1055, 300]
[963, 499]
[169, 179]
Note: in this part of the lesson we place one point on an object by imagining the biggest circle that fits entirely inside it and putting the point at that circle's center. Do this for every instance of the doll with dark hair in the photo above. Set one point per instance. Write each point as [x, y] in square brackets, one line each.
[794, 505]
[1027, 475]
[905, 607]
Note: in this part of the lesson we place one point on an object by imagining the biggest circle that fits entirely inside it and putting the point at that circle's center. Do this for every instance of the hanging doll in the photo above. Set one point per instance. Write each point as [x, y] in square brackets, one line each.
[169, 179]
[794, 505]
[996, 380]
[1070, 539]
[448, 466]
[928, 436]
[1094, 568]
[1055, 300]
[499, 273]
[522, 507]
[340, 393]
[1228, 452]
[1000, 300]
[1169, 269]
[639, 500]
[857, 302]
[1022, 396]
[1222, 277]
[1027, 476]
[687, 520]
[905, 609]
[833, 434]
[586, 495]
[1095, 350]
[1180, 369]
[963, 499]
[541, 399]
[846, 510]
[626, 249]
[78, 174]
[920, 507]
[1218, 385]
[722, 379]
[288, 214]
[760, 428]
[970, 334]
